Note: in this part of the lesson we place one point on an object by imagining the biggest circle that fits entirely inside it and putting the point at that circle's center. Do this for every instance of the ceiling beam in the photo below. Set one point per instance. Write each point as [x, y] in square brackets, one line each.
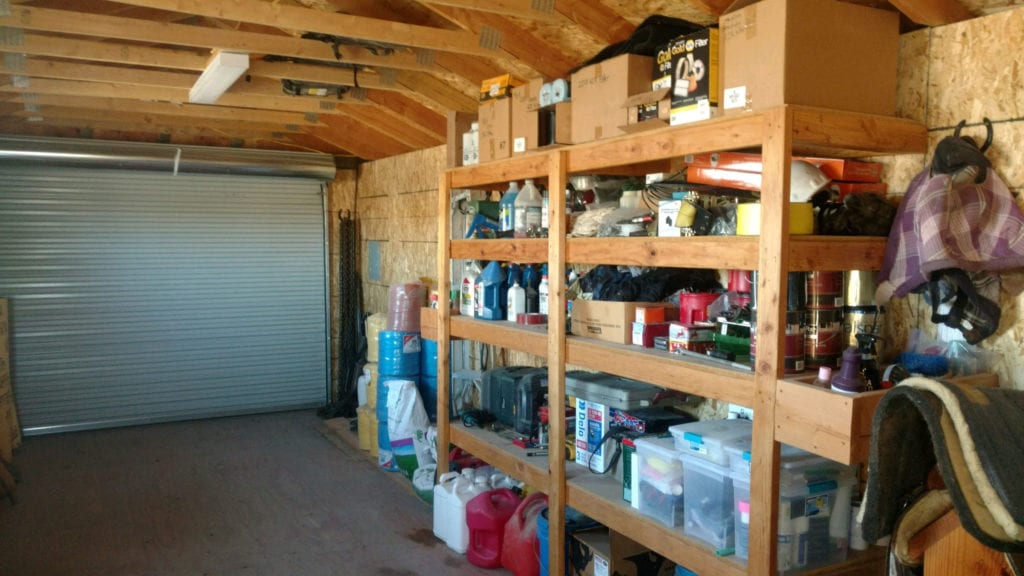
[437, 90]
[101, 73]
[138, 30]
[229, 128]
[527, 9]
[324, 75]
[306, 19]
[307, 142]
[181, 130]
[190, 111]
[598, 20]
[933, 12]
[396, 128]
[109, 52]
[111, 90]
[364, 143]
[417, 113]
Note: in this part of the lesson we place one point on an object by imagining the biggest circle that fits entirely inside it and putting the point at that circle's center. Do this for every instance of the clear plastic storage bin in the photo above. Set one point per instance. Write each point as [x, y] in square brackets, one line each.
[661, 480]
[707, 438]
[708, 502]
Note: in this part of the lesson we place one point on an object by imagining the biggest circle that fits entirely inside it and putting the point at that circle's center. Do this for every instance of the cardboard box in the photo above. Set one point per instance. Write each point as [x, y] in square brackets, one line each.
[822, 53]
[525, 116]
[593, 421]
[647, 110]
[691, 332]
[644, 334]
[608, 321]
[649, 314]
[495, 119]
[598, 92]
[555, 124]
[497, 87]
[694, 77]
[604, 552]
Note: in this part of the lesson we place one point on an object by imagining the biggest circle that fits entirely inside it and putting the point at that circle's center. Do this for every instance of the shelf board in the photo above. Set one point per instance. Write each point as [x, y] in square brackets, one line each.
[600, 497]
[728, 252]
[529, 339]
[522, 250]
[852, 134]
[496, 175]
[703, 378]
[501, 453]
[836, 252]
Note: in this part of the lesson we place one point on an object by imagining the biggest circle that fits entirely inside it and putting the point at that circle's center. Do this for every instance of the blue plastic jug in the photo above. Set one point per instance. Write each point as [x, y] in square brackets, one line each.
[494, 291]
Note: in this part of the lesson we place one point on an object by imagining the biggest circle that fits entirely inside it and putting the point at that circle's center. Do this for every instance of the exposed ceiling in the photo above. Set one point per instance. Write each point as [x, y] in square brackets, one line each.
[122, 70]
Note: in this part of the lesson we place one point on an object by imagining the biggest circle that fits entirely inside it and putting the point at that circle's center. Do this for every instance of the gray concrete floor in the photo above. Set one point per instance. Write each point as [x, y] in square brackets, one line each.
[250, 495]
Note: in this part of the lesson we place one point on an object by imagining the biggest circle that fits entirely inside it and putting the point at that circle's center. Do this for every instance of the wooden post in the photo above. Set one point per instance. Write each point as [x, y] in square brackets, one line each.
[557, 178]
[444, 284]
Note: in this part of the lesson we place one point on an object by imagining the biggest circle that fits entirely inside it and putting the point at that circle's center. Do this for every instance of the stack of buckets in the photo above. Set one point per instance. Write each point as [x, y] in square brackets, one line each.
[399, 361]
[367, 413]
[794, 355]
[824, 337]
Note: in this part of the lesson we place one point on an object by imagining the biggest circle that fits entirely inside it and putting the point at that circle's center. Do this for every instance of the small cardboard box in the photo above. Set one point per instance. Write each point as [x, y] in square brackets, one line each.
[694, 77]
[609, 321]
[498, 87]
[525, 117]
[555, 124]
[598, 92]
[821, 53]
[604, 552]
[649, 314]
[644, 334]
[648, 110]
[593, 421]
[495, 119]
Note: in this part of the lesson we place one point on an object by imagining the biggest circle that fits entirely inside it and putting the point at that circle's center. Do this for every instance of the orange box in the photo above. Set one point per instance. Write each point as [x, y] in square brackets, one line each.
[650, 314]
[834, 168]
[728, 178]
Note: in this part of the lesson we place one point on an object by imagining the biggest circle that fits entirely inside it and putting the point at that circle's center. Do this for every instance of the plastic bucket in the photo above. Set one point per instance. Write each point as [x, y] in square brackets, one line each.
[693, 306]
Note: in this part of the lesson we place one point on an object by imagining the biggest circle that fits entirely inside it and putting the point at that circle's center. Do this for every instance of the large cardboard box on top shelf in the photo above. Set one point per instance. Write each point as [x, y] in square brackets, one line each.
[598, 92]
[822, 53]
[525, 117]
[495, 126]
[603, 552]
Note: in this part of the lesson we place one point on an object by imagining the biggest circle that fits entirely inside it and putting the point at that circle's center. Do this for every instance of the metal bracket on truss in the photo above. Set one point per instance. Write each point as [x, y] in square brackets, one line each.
[15, 61]
[5, 8]
[20, 81]
[490, 38]
[312, 117]
[424, 57]
[545, 6]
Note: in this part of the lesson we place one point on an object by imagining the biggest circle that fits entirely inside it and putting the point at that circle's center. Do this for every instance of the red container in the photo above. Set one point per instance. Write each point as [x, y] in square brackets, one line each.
[693, 306]
[519, 552]
[486, 515]
[739, 281]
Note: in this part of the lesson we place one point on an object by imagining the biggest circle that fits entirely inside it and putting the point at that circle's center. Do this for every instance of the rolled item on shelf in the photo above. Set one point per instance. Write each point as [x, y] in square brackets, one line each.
[404, 303]
[399, 353]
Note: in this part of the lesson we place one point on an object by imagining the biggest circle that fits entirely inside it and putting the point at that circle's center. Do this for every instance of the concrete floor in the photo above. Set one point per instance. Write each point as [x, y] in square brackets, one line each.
[250, 495]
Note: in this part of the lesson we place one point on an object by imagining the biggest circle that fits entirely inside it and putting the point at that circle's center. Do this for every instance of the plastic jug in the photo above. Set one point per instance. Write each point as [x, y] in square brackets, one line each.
[507, 210]
[469, 275]
[519, 548]
[516, 302]
[531, 280]
[486, 515]
[527, 212]
[443, 491]
[494, 293]
[457, 530]
[542, 295]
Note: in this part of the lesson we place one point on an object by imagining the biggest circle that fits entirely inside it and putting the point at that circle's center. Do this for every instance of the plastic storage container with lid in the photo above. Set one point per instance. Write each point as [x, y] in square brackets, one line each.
[661, 480]
[707, 438]
[707, 502]
[612, 391]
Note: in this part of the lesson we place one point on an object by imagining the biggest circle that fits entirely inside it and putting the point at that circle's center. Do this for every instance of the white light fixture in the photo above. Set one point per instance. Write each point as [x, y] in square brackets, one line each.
[221, 72]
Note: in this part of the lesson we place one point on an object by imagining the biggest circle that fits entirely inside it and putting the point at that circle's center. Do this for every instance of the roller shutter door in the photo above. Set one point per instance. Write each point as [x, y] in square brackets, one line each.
[144, 297]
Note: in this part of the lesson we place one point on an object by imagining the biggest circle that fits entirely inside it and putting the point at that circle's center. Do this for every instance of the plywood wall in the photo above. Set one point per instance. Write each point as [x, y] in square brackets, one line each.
[396, 203]
[967, 71]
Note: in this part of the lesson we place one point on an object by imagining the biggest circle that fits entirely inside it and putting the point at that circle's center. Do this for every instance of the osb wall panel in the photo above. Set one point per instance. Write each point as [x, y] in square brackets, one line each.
[396, 204]
[341, 195]
[966, 71]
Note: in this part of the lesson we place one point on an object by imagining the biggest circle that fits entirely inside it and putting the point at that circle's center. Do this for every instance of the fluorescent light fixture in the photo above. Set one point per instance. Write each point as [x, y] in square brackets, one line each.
[221, 72]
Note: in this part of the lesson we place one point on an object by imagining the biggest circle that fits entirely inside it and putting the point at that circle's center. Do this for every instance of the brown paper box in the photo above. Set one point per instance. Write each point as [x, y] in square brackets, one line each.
[525, 119]
[598, 92]
[495, 129]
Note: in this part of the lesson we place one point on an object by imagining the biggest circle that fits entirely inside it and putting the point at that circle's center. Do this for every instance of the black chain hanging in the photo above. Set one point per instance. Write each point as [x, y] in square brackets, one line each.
[351, 341]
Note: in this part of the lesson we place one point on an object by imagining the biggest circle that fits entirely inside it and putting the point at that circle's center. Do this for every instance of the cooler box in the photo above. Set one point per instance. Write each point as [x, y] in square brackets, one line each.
[660, 471]
[498, 393]
[707, 439]
[708, 498]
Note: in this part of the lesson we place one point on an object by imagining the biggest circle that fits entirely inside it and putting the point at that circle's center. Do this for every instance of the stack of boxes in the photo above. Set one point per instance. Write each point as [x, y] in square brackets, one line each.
[649, 324]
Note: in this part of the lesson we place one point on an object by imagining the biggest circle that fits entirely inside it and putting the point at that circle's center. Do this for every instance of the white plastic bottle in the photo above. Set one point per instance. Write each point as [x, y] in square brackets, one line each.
[542, 294]
[528, 209]
[544, 203]
[516, 302]
[466, 293]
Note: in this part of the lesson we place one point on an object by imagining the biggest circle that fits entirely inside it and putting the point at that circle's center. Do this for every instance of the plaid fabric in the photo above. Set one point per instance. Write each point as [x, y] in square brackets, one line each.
[948, 221]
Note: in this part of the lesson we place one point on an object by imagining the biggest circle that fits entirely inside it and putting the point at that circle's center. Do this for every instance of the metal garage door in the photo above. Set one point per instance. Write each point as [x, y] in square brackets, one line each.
[141, 296]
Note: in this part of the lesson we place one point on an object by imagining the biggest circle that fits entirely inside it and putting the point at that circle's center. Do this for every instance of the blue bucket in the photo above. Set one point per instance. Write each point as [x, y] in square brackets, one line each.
[428, 392]
[428, 357]
[399, 353]
[542, 540]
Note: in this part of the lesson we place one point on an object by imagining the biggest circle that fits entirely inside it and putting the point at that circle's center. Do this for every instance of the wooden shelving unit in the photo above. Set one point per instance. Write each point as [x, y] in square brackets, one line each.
[778, 403]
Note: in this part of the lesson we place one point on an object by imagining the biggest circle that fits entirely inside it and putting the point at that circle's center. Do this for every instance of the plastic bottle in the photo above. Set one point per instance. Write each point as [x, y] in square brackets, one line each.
[527, 212]
[849, 380]
[471, 145]
[516, 302]
[542, 295]
[506, 210]
[629, 199]
[824, 379]
[544, 203]
[493, 292]
[531, 280]
[469, 274]
[478, 294]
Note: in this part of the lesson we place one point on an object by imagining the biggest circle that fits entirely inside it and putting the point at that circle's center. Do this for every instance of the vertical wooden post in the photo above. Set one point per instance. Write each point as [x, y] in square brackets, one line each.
[557, 179]
[773, 265]
[444, 284]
